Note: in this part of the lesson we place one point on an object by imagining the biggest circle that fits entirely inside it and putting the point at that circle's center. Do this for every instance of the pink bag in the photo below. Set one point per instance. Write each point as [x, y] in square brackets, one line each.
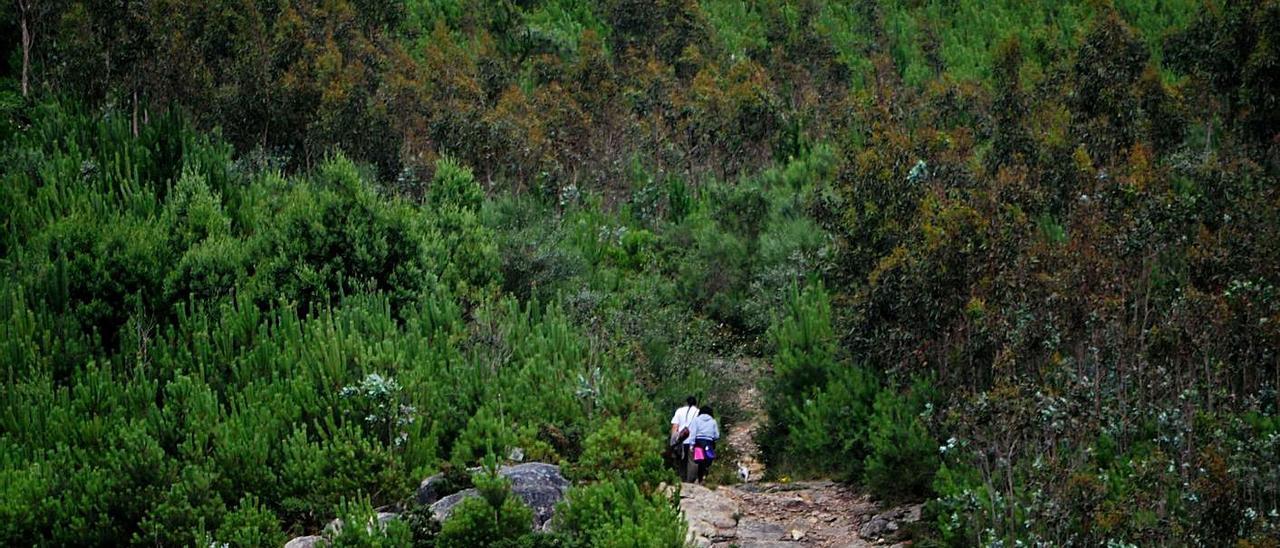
[698, 455]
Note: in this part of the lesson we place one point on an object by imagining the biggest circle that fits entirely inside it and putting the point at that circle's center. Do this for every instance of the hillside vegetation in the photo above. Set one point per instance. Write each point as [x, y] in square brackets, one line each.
[271, 263]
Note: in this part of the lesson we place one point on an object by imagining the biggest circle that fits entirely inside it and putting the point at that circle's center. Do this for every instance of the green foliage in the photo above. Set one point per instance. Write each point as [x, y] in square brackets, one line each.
[804, 347]
[468, 254]
[338, 237]
[494, 517]
[250, 524]
[613, 452]
[829, 432]
[1061, 212]
[262, 347]
[902, 457]
[185, 513]
[620, 513]
[422, 524]
[361, 528]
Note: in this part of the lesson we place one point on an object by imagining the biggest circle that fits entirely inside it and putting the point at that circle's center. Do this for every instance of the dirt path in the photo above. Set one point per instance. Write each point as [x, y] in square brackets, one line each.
[776, 514]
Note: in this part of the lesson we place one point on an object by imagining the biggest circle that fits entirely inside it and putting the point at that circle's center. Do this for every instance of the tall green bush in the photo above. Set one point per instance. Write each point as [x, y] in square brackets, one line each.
[903, 457]
[804, 359]
[620, 513]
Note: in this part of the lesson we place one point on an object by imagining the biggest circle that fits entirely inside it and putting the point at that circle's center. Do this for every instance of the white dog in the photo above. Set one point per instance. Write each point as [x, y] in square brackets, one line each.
[743, 473]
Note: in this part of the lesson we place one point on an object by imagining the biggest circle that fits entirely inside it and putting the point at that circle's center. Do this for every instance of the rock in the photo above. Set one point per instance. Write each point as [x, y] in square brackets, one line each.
[854, 543]
[310, 541]
[797, 534]
[755, 529]
[335, 526]
[712, 516]
[913, 513]
[430, 490]
[875, 528]
[539, 485]
[888, 522]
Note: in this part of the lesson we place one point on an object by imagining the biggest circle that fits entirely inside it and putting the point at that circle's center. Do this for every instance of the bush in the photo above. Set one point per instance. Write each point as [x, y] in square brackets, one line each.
[496, 516]
[613, 452]
[250, 525]
[186, 513]
[422, 524]
[804, 359]
[335, 236]
[830, 430]
[466, 257]
[361, 529]
[618, 514]
[903, 457]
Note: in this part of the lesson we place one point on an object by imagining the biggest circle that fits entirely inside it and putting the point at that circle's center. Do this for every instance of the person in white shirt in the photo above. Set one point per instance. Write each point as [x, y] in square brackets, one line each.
[682, 438]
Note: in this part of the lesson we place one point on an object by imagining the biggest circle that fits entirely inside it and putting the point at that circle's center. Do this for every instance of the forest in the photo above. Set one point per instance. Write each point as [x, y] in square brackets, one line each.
[267, 263]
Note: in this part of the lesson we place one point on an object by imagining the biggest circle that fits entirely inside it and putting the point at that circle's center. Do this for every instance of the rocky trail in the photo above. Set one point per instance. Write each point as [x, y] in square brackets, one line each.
[783, 514]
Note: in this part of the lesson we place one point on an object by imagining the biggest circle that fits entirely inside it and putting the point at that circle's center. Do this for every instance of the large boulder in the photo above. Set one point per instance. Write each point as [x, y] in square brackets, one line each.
[539, 485]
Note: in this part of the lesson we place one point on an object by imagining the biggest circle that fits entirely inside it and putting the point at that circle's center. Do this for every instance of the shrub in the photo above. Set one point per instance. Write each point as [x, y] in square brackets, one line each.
[186, 513]
[714, 273]
[804, 357]
[422, 524]
[903, 457]
[465, 254]
[619, 513]
[830, 430]
[335, 236]
[317, 475]
[250, 525]
[493, 517]
[362, 529]
[612, 452]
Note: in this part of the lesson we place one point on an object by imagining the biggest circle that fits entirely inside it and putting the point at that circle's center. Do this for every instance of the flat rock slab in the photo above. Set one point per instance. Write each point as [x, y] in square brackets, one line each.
[712, 516]
[768, 544]
[752, 529]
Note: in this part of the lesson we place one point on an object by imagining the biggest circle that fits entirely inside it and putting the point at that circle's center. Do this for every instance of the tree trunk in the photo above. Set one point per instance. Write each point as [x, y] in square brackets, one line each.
[26, 47]
[135, 113]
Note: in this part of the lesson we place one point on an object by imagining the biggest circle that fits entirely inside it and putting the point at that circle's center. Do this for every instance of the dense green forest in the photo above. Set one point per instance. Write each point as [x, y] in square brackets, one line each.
[267, 263]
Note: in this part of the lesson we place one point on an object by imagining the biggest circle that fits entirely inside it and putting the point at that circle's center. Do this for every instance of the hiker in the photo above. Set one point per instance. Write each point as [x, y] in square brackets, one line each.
[705, 432]
[681, 441]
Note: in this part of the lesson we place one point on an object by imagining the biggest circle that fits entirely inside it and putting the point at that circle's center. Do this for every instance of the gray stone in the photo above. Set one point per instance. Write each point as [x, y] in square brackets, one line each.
[754, 529]
[335, 526]
[888, 522]
[875, 528]
[539, 485]
[309, 541]
[430, 490]
[712, 516]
